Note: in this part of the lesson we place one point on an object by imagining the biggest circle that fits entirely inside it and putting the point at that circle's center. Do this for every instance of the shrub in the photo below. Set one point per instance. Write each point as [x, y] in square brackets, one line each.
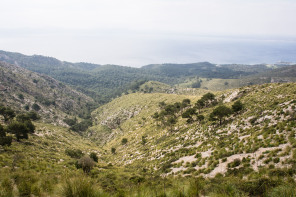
[82, 126]
[4, 140]
[94, 156]
[36, 107]
[74, 153]
[124, 141]
[70, 122]
[86, 163]
[200, 118]
[79, 187]
[235, 163]
[144, 140]
[27, 107]
[33, 115]
[198, 155]
[276, 160]
[6, 188]
[113, 150]
[21, 96]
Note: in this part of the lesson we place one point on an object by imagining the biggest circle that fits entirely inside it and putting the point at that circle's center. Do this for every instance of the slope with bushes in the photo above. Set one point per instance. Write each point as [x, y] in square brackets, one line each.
[24, 90]
[250, 152]
[260, 138]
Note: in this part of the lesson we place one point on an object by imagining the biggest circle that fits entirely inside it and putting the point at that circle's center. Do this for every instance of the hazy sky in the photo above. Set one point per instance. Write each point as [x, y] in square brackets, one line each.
[139, 32]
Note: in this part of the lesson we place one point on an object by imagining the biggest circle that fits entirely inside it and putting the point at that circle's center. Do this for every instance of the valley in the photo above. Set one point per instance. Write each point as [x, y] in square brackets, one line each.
[160, 130]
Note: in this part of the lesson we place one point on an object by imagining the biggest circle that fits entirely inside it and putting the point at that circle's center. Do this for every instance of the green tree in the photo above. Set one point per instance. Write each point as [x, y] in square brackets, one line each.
[7, 113]
[220, 112]
[171, 122]
[208, 98]
[30, 126]
[22, 117]
[170, 109]
[237, 106]
[178, 106]
[19, 129]
[188, 114]
[4, 140]
[200, 118]
[200, 104]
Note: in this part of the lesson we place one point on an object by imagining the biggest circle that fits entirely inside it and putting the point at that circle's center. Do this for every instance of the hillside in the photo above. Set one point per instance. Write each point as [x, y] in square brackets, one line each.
[278, 75]
[105, 82]
[261, 138]
[251, 153]
[24, 90]
[126, 114]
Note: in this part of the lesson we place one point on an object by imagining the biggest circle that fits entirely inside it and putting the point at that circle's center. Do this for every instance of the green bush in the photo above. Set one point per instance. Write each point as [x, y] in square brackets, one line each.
[20, 129]
[86, 163]
[36, 107]
[74, 153]
[70, 121]
[82, 126]
[94, 156]
[276, 160]
[237, 106]
[33, 115]
[4, 140]
[124, 141]
[234, 164]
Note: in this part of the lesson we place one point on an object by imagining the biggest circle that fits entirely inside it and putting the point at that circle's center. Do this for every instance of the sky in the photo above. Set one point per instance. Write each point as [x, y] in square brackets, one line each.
[141, 32]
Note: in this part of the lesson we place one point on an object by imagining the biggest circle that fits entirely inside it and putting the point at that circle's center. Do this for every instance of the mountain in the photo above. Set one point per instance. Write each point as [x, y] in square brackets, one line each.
[24, 90]
[105, 82]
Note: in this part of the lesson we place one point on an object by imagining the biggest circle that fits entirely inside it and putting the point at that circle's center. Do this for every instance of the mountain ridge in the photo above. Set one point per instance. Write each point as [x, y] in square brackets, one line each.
[105, 82]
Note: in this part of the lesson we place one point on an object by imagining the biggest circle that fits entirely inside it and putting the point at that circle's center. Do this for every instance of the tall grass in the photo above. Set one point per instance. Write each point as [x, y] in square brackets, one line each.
[81, 186]
[6, 188]
[283, 191]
